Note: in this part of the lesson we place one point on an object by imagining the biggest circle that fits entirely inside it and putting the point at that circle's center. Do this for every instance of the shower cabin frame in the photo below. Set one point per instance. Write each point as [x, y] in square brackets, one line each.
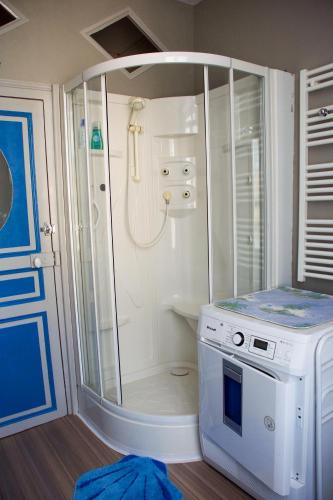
[137, 432]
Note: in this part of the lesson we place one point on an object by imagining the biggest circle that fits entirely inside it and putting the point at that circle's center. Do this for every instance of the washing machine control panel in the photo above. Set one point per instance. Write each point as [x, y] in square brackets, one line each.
[262, 347]
[238, 338]
[243, 340]
[247, 341]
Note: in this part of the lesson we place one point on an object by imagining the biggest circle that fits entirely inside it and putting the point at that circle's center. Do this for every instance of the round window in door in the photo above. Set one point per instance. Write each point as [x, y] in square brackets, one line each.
[6, 190]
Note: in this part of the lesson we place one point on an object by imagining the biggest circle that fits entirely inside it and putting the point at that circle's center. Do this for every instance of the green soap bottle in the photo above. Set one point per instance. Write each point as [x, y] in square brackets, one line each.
[96, 141]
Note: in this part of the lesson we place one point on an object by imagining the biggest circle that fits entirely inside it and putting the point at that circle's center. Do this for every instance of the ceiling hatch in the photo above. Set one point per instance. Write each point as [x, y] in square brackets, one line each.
[10, 17]
[123, 35]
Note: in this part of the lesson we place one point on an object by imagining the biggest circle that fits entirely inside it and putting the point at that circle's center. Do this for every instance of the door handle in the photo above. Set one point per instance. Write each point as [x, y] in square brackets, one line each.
[49, 259]
[37, 262]
[48, 229]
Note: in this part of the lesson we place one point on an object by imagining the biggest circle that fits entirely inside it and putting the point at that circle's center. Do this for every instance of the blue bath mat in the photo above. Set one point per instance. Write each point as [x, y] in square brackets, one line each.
[137, 478]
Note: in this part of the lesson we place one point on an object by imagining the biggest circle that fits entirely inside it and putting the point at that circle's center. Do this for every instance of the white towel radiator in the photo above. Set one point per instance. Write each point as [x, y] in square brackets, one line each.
[315, 242]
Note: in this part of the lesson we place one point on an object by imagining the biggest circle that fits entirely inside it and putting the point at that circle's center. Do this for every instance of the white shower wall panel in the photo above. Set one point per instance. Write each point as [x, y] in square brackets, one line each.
[182, 260]
[133, 276]
[147, 280]
[174, 116]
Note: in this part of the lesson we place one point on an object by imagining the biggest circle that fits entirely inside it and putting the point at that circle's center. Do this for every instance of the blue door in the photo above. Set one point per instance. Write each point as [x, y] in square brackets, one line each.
[31, 375]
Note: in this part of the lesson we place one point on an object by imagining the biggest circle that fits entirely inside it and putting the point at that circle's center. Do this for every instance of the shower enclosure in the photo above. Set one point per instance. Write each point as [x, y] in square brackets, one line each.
[170, 192]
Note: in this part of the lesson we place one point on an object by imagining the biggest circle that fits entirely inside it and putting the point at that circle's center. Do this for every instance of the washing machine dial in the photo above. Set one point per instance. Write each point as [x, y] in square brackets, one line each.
[238, 338]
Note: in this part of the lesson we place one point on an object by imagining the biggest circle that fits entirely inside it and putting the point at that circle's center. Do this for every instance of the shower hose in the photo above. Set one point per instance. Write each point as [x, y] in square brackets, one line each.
[166, 198]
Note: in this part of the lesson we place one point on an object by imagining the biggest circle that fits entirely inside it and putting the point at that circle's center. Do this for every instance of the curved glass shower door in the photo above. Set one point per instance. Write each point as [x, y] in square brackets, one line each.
[168, 213]
[82, 242]
[237, 164]
[249, 193]
[93, 240]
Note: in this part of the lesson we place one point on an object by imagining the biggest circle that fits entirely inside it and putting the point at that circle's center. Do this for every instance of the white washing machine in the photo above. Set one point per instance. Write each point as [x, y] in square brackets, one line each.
[266, 398]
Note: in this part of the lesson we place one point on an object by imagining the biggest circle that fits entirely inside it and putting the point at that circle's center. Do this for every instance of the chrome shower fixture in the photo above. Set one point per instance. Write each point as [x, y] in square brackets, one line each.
[137, 103]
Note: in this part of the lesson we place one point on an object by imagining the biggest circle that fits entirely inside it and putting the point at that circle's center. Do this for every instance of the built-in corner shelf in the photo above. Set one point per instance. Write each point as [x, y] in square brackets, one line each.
[107, 324]
[187, 309]
[114, 153]
[177, 135]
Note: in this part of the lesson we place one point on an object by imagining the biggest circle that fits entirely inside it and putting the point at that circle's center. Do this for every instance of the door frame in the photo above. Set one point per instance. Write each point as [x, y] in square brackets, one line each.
[49, 95]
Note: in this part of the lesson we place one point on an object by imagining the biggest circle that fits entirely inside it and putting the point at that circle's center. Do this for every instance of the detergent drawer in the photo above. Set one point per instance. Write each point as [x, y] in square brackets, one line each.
[246, 412]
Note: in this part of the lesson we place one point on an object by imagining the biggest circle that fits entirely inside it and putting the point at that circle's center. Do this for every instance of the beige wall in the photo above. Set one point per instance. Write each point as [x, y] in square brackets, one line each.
[50, 48]
[285, 34]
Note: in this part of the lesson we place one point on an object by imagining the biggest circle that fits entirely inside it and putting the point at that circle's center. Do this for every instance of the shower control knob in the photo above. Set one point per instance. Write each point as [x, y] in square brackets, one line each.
[238, 338]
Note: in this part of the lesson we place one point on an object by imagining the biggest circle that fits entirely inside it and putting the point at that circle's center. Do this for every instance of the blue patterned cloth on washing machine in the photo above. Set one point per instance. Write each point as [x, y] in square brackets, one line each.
[284, 306]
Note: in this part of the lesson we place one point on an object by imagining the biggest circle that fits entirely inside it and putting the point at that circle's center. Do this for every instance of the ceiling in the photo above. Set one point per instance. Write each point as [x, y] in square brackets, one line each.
[190, 2]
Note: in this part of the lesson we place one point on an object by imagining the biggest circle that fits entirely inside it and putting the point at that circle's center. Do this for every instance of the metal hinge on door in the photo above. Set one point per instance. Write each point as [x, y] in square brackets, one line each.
[47, 259]
[48, 229]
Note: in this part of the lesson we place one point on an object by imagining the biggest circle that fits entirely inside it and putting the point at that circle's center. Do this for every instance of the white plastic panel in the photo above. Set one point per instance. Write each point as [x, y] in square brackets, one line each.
[324, 417]
[264, 445]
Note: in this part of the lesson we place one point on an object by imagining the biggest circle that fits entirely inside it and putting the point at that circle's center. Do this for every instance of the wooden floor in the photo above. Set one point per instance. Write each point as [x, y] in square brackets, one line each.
[43, 463]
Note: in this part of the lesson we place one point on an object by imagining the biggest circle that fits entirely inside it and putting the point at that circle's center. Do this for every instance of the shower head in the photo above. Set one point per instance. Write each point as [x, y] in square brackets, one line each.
[137, 103]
